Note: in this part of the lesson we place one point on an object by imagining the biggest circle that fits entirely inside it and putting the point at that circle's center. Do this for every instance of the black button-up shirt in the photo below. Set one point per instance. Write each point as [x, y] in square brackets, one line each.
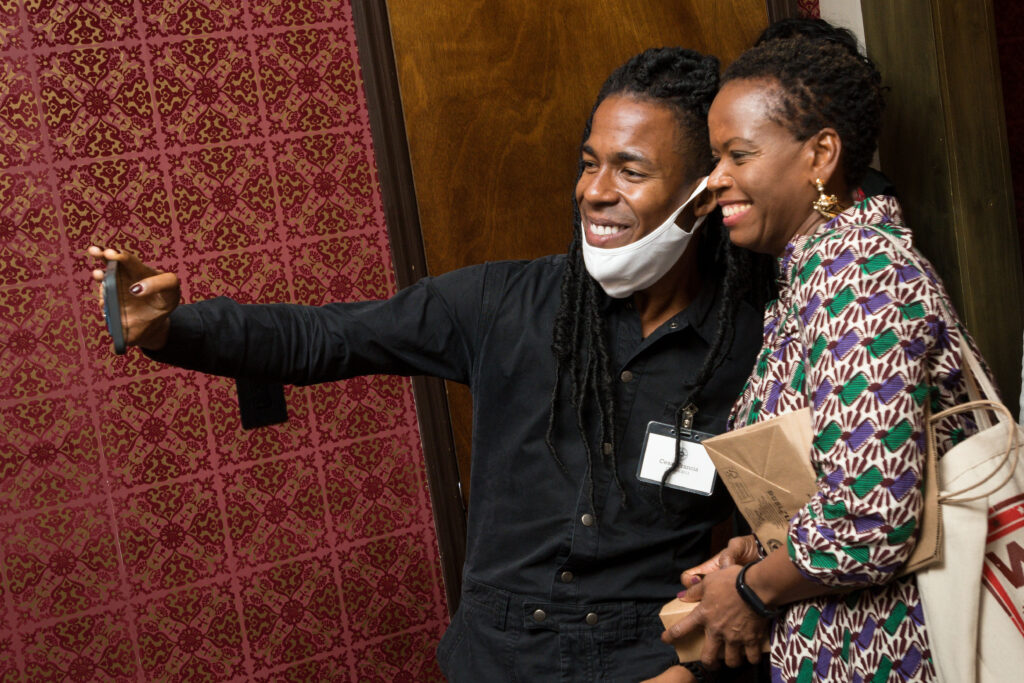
[533, 529]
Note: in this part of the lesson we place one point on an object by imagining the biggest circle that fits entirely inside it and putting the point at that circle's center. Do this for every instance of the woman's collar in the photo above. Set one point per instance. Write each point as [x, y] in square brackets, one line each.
[879, 209]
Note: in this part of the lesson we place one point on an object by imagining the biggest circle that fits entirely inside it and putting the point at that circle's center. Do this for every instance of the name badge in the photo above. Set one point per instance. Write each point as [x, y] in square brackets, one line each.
[696, 473]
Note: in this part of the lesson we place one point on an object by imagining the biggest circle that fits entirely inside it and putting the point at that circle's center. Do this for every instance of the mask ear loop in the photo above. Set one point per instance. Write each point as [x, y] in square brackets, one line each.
[701, 186]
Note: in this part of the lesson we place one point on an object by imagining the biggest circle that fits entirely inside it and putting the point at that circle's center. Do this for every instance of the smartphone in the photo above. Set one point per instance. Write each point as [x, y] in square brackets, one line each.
[112, 307]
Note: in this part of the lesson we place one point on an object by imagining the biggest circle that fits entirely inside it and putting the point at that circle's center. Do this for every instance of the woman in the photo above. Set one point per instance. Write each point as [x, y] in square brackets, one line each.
[793, 129]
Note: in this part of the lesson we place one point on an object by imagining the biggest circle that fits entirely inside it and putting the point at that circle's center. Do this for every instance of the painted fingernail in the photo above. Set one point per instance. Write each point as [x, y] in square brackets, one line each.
[681, 594]
[136, 289]
[694, 580]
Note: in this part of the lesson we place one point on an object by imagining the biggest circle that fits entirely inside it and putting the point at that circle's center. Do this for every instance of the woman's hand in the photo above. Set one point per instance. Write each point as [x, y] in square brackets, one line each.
[673, 674]
[740, 550]
[732, 630]
[151, 296]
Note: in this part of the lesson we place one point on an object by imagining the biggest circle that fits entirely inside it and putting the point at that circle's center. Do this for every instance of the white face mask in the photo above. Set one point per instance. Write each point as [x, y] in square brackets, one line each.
[627, 269]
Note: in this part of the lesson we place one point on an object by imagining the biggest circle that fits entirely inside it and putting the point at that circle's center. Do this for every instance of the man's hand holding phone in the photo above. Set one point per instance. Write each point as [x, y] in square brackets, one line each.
[137, 299]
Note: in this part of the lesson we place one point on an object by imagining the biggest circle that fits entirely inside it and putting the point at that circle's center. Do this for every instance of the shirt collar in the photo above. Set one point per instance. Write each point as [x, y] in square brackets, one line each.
[875, 210]
[697, 315]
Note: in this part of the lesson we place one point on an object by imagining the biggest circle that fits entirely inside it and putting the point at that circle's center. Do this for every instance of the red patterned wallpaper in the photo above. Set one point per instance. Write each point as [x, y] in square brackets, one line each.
[809, 9]
[143, 534]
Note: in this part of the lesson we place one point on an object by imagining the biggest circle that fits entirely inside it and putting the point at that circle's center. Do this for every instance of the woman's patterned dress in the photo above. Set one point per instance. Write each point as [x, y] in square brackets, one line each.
[878, 348]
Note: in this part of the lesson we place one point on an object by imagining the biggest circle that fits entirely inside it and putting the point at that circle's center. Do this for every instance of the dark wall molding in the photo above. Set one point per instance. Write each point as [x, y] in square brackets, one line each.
[391, 147]
[782, 9]
[944, 145]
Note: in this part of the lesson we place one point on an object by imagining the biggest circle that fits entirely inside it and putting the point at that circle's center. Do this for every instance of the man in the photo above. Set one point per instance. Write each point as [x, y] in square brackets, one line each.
[569, 554]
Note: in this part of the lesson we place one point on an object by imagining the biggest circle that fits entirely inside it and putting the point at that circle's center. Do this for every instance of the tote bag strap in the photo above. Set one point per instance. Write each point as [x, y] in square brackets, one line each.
[1011, 450]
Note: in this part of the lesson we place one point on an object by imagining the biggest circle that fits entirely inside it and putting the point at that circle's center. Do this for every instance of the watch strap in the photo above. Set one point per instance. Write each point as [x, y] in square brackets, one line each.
[750, 597]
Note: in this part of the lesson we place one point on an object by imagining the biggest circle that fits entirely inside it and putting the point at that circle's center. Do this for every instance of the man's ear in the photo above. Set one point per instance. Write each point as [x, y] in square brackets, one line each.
[704, 203]
[825, 148]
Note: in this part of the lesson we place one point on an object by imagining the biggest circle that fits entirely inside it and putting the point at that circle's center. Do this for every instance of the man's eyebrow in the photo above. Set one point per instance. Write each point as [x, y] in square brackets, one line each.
[634, 157]
[624, 156]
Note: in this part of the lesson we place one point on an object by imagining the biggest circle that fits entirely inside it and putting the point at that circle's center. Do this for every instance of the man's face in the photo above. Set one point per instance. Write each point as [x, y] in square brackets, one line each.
[634, 171]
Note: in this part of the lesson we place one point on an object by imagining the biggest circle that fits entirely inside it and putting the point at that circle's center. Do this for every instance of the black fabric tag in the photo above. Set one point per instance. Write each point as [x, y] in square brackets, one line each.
[260, 403]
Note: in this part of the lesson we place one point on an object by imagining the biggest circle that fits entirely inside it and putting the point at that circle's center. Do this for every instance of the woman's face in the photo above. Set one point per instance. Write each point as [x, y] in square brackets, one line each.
[763, 176]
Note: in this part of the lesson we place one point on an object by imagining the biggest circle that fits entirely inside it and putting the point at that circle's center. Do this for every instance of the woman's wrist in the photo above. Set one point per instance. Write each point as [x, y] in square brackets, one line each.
[699, 672]
[750, 594]
[777, 581]
[755, 579]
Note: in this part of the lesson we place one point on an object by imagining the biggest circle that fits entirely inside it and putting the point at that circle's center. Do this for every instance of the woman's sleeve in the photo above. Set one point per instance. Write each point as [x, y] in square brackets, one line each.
[872, 322]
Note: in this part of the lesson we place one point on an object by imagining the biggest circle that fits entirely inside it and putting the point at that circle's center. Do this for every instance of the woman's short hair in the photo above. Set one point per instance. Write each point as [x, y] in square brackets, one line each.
[820, 84]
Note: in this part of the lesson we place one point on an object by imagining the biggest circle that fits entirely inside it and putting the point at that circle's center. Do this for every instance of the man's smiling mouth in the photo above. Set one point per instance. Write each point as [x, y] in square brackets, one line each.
[606, 230]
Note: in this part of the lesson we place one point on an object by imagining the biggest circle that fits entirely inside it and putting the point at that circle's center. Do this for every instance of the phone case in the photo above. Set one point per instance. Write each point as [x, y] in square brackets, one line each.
[112, 307]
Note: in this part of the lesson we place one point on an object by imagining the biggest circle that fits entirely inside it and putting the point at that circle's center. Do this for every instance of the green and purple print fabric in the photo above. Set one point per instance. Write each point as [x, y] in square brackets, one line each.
[863, 336]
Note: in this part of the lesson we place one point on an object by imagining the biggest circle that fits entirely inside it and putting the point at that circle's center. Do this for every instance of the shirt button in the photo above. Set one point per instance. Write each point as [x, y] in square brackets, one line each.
[673, 325]
[626, 376]
[592, 618]
[607, 448]
[587, 519]
[540, 615]
[567, 577]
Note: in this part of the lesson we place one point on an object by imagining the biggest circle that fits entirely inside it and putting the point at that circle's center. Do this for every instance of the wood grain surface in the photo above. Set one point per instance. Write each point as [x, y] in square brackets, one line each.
[944, 146]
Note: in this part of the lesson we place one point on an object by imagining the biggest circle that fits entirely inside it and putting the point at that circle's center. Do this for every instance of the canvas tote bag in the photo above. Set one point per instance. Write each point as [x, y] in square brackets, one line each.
[973, 599]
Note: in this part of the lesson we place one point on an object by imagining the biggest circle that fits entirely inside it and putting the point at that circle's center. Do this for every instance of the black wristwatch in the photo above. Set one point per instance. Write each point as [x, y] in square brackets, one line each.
[700, 673]
[750, 597]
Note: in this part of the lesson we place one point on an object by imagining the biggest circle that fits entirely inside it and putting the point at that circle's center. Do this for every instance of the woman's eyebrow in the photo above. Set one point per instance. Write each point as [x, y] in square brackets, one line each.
[738, 139]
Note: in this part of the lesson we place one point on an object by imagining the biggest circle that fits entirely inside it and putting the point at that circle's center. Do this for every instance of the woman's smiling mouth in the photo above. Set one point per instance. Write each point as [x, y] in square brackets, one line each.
[733, 211]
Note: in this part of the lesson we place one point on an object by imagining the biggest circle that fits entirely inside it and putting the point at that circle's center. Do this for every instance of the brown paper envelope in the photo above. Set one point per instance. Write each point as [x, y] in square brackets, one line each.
[689, 646]
[752, 446]
[767, 469]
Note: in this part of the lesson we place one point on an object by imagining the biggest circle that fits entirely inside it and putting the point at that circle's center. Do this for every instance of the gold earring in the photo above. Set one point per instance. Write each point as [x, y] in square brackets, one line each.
[826, 204]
